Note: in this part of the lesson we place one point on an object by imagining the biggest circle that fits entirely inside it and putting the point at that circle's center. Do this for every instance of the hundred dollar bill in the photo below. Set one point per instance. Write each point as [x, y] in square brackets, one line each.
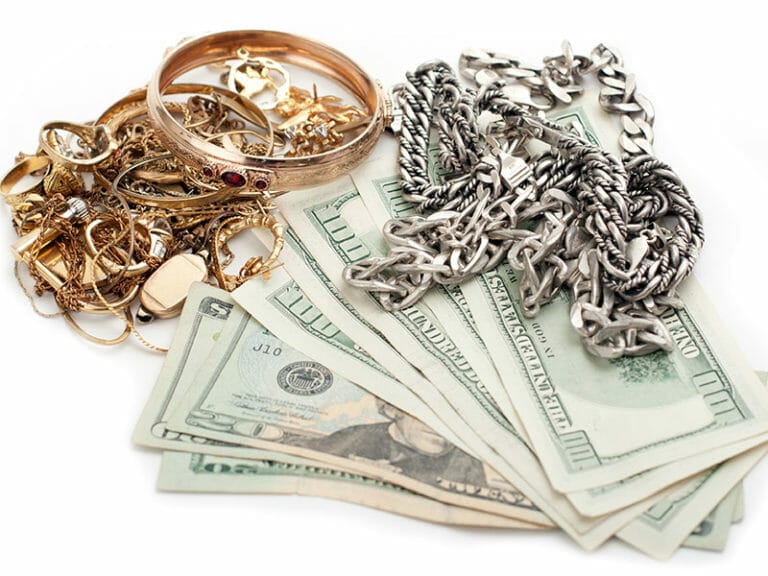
[284, 309]
[712, 533]
[255, 390]
[379, 186]
[664, 527]
[205, 313]
[589, 431]
[595, 421]
[334, 222]
[183, 472]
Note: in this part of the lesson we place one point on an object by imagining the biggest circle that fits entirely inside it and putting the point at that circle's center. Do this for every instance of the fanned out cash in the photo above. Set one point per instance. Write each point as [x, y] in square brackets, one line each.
[456, 410]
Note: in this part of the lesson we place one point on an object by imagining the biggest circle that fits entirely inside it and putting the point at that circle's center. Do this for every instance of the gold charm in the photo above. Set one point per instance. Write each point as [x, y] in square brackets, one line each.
[315, 135]
[301, 104]
[254, 266]
[250, 77]
[315, 123]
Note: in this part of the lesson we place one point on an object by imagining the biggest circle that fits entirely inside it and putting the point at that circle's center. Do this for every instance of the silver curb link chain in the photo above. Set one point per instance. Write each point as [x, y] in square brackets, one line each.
[620, 234]
[557, 79]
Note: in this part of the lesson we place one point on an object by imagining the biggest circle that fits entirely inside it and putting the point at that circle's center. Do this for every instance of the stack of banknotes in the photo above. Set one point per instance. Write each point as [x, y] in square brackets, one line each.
[457, 410]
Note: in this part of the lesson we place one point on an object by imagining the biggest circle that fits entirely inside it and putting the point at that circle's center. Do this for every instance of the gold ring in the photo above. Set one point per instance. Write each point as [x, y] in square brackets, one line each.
[95, 140]
[112, 267]
[26, 167]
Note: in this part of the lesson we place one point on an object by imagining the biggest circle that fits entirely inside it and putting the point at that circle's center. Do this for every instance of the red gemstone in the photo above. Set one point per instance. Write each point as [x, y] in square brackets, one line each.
[208, 171]
[233, 179]
[261, 184]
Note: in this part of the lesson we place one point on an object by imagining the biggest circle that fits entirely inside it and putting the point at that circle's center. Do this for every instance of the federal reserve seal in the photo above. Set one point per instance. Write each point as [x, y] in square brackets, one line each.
[305, 378]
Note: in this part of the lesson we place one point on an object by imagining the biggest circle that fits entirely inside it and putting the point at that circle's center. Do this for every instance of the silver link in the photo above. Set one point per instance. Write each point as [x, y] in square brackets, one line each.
[621, 234]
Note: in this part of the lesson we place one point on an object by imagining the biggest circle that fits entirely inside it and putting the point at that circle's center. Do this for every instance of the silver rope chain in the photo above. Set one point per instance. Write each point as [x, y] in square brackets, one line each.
[621, 234]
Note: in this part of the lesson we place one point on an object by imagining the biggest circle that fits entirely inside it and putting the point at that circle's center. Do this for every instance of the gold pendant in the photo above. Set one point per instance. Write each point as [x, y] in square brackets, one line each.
[165, 291]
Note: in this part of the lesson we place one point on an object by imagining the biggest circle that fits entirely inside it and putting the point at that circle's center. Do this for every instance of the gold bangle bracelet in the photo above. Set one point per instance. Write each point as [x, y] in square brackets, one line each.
[265, 175]
[134, 105]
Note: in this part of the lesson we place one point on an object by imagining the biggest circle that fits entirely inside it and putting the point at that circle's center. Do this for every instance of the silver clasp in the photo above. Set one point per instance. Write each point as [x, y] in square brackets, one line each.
[535, 128]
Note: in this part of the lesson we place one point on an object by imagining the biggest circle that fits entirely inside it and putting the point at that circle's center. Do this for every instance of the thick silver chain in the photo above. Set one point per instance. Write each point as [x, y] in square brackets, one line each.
[620, 234]
[557, 79]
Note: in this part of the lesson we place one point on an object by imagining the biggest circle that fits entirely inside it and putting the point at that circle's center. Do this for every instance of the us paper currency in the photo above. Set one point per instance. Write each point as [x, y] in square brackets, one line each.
[661, 529]
[183, 472]
[587, 434]
[189, 472]
[334, 222]
[205, 313]
[254, 390]
[283, 308]
[712, 533]
[588, 418]
[676, 515]
[286, 299]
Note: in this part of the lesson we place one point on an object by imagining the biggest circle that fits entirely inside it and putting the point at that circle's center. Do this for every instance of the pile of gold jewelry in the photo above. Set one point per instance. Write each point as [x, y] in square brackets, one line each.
[142, 202]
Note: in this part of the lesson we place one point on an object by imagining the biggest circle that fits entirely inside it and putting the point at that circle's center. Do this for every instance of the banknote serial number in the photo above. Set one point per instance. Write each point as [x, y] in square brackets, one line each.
[268, 349]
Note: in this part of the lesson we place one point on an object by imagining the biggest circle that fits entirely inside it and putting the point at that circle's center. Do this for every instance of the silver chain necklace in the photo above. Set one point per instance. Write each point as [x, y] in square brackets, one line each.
[620, 234]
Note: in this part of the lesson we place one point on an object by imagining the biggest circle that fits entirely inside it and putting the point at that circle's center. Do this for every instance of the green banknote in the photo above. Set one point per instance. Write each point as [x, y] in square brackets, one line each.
[184, 472]
[333, 221]
[205, 313]
[380, 189]
[255, 390]
[712, 533]
[589, 416]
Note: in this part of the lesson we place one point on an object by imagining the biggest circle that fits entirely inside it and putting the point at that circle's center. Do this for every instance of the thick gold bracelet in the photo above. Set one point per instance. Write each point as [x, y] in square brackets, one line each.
[264, 175]
[134, 105]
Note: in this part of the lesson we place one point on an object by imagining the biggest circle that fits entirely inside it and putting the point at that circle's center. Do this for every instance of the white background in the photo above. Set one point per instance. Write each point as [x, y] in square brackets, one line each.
[77, 496]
